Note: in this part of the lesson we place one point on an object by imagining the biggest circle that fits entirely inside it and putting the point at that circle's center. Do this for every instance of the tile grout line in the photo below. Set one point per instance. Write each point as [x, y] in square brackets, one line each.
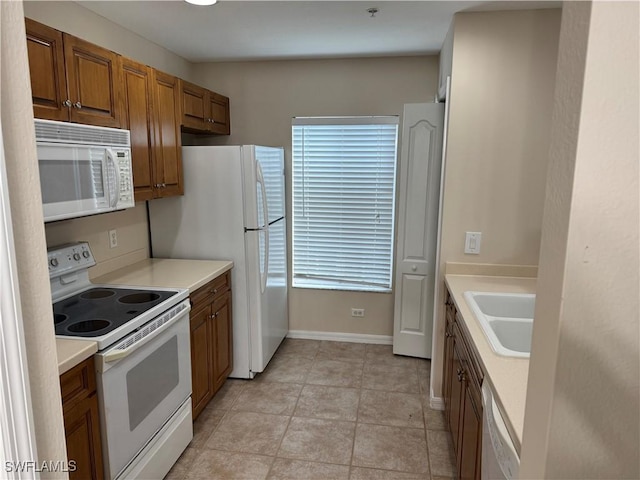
[424, 420]
[290, 418]
[355, 429]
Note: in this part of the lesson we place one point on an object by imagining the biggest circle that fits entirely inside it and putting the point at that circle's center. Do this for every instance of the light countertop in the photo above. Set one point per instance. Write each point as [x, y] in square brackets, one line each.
[165, 272]
[507, 375]
[152, 272]
[73, 352]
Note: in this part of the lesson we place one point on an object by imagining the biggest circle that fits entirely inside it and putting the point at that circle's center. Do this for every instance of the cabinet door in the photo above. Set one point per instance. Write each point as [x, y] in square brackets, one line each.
[201, 359]
[195, 107]
[46, 66]
[219, 112]
[82, 432]
[167, 148]
[456, 395]
[471, 436]
[447, 376]
[223, 341]
[94, 82]
[138, 112]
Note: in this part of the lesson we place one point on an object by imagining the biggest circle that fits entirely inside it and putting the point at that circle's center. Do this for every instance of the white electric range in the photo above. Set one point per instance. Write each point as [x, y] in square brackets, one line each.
[143, 364]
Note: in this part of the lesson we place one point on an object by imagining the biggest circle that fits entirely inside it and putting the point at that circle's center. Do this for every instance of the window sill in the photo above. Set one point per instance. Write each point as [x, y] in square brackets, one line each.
[342, 288]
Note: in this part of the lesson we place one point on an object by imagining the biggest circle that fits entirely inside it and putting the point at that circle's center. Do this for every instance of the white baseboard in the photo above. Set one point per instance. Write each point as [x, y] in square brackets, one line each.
[341, 337]
[437, 403]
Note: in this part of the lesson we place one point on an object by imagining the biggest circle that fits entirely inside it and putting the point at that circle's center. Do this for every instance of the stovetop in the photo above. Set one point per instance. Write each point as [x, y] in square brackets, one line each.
[102, 313]
[98, 311]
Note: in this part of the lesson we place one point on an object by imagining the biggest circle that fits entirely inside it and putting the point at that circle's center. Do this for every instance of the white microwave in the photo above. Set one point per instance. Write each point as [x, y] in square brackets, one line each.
[84, 169]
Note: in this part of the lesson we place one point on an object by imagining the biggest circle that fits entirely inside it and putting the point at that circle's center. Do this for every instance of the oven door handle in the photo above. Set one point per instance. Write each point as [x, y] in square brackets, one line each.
[144, 335]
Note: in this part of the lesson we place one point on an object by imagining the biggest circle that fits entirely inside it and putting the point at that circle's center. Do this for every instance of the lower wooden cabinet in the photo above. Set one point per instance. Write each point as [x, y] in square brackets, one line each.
[462, 378]
[211, 340]
[82, 421]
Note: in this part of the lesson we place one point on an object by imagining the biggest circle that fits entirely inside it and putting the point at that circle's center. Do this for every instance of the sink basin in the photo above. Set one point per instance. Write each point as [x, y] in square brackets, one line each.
[506, 320]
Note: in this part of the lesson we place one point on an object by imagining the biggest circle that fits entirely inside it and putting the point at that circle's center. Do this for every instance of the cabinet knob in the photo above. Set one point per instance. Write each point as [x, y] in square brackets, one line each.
[460, 374]
[67, 103]
[78, 105]
[447, 334]
[164, 185]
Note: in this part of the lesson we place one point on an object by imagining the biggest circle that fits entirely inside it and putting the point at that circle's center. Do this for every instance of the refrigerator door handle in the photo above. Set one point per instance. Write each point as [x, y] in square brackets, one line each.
[265, 270]
[265, 208]
[263, 191]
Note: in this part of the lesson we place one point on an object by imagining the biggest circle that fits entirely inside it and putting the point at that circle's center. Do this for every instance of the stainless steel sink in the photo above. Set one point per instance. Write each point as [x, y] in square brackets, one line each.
[506, 320]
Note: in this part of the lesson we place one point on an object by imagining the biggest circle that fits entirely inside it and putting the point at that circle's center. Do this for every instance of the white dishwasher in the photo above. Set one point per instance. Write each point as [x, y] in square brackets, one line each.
[499, 457]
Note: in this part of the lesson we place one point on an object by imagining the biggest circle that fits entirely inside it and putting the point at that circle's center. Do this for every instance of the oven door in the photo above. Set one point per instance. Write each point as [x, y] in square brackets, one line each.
[142, 381]
[76, 180]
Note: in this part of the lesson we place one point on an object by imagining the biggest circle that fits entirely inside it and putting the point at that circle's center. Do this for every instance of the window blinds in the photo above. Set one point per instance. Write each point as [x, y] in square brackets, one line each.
[343, 202]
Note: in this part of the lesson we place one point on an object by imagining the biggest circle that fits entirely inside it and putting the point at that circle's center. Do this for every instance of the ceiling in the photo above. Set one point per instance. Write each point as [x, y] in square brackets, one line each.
[267, 30]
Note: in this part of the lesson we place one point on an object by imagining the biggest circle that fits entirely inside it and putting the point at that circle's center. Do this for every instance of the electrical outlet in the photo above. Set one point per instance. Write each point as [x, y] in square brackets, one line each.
[113, 239]
[357, 312]
[472, 243]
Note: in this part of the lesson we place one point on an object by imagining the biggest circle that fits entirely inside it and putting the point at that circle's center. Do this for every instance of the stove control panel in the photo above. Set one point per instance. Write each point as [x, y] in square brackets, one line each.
[69, 258]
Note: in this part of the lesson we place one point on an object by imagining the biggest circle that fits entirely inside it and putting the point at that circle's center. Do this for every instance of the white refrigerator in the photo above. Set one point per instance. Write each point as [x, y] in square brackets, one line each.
[233, 208]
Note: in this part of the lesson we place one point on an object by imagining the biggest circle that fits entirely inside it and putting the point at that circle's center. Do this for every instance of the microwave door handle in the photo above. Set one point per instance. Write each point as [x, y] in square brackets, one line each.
[111, 159]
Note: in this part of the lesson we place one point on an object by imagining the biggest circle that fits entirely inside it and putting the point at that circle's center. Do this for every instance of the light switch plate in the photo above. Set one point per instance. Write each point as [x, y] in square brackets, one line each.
[472, 243]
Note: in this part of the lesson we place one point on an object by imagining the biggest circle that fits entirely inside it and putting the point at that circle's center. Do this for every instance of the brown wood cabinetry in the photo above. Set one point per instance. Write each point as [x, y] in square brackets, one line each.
[150, 105]
[204, 111]
[81, 421]
[139, 119]
[211, 340]
[71, 79]
[74, 80]
[46, 63]
[168, 144]
[462, 377]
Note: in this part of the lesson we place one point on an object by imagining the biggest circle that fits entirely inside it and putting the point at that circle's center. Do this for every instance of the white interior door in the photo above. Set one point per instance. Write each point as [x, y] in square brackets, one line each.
[418, 198]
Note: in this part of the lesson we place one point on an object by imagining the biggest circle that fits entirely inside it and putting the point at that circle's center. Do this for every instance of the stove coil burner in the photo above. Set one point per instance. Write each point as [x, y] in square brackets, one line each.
[87, 326]
[144, 297]
[97, 293]
[59, 318]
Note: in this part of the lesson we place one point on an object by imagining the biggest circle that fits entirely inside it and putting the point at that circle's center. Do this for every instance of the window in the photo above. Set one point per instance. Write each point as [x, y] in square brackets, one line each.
[344, 172]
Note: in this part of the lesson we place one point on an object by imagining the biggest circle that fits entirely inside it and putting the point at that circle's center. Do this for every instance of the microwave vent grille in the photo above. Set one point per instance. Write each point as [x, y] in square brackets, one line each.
[51, 131]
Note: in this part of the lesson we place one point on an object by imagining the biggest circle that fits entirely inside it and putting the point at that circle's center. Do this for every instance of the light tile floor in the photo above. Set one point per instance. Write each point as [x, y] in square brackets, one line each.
[323, 410]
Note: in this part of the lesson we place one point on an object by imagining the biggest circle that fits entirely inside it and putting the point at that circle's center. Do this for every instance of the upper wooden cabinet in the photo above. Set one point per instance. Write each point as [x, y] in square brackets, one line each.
[72, 79]
[167, 149]
[151, 113]
[219, 111]
[204, 111]
[139, 119]
[46, 63]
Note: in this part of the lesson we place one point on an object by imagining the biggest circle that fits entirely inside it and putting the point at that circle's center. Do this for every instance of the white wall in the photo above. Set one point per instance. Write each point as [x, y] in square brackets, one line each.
[18, 141]
[583, 399]
[266, 95]
[131, 225]
[501, 101]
